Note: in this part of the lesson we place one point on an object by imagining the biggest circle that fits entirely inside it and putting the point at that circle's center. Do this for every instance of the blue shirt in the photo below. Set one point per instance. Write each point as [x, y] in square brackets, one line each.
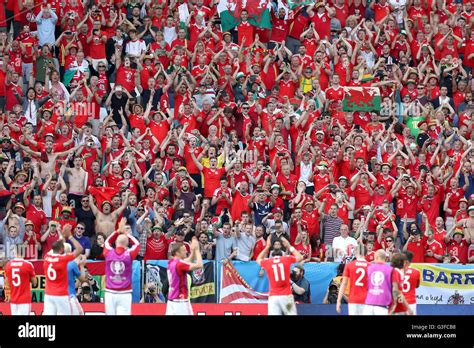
[72, 273]
[84, 241]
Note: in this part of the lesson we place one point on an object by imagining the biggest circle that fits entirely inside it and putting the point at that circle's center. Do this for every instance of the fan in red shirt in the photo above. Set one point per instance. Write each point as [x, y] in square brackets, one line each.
[211, 175]
[156, 245]
[355, 273]
[434, 249]
[280, 299]
[457, 246]
[416, 244]
[56, 298]
[20, 274]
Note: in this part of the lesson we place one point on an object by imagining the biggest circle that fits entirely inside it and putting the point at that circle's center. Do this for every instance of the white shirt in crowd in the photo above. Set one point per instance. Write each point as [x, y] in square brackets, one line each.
[343, 247]
[135, 48]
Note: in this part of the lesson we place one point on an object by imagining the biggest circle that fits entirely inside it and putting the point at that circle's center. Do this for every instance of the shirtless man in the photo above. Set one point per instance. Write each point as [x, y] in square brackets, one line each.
[468, 224]
[47, 167]
[77, 182]
[106, 219]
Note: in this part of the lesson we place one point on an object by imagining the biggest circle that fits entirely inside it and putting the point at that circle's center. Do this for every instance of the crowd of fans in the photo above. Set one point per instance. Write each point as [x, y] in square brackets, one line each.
[234, 136]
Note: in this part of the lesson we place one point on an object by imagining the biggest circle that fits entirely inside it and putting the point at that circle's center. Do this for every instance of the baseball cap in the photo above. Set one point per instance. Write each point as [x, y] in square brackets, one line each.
[342, 178]
[277, 210]
[458, 231]
[182, 168]
[106, 202]
[470, 208]
[19, 205]
[66, 209]
[275, 186]
[29, 222]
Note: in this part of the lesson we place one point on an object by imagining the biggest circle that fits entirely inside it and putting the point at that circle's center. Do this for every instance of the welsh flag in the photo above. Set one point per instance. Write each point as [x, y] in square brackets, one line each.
[298, 3]
[361, 99]
[259, 13]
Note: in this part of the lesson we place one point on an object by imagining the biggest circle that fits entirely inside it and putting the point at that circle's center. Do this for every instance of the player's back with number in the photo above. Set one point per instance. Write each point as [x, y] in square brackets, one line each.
[278, 271]
[356, 271]
[411, 281]
[19, 274]
[55, 268]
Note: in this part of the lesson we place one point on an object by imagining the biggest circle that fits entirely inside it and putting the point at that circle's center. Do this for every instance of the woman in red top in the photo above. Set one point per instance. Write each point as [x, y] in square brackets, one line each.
[318, 249]
[303, 245]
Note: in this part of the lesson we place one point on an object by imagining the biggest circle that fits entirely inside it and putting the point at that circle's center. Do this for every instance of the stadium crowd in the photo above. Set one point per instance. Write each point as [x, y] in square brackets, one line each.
[146, 109]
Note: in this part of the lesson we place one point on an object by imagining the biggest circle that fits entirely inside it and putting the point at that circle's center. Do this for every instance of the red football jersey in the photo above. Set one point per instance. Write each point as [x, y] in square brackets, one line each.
[19, 272]
[356, 271]
[278, 271]
[411, 281]
[55, 268]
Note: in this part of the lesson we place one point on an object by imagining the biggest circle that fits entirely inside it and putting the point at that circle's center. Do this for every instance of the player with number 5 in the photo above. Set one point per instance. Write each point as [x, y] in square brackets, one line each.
[56, 298]
[280, 299]
[20, 273]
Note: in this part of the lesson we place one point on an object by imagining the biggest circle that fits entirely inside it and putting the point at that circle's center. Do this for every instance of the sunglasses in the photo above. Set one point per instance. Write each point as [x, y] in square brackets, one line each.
[141, 209]
[389, 240]
[80, 228]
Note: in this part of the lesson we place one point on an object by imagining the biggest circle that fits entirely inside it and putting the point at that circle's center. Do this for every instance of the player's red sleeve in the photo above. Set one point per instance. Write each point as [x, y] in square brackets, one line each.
[291, 259]
[396, 276]
[31, 270]
[68, 257]
[183, 266]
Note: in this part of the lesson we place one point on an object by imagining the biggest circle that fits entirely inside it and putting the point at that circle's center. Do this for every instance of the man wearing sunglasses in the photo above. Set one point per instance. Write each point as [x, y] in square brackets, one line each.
[84, 241]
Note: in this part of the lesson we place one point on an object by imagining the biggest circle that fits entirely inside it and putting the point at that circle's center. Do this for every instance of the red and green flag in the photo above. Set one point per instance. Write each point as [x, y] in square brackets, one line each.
[259, 13]
[298, 3]
[361, 99]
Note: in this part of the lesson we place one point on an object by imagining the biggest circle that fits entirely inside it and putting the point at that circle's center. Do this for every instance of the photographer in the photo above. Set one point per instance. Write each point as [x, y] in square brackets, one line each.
[86, 292]
[152, 294]
[300, 286]
[333, 289]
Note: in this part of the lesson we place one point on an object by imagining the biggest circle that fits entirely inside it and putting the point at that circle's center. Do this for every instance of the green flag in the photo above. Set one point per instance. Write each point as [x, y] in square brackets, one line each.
[298, 3]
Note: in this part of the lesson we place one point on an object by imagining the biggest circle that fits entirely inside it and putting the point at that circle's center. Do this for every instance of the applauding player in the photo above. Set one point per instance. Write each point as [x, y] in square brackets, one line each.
[56, 298]
[178, 268]
[118, 270]
[280, 300]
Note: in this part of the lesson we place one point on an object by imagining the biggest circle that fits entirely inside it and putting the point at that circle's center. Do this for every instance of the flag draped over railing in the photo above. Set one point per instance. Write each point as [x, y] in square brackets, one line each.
[234, 289]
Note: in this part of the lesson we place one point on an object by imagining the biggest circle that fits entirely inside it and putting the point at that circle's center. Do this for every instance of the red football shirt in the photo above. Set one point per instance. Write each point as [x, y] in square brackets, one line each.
[19, 272]
[278, 271]
[418, 250]
[211, 180]
[55, 268]
[411, 281]
[356, 271]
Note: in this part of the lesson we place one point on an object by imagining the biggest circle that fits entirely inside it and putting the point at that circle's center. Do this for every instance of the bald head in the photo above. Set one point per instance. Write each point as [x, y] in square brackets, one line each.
[122, 241]
[380, 255]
